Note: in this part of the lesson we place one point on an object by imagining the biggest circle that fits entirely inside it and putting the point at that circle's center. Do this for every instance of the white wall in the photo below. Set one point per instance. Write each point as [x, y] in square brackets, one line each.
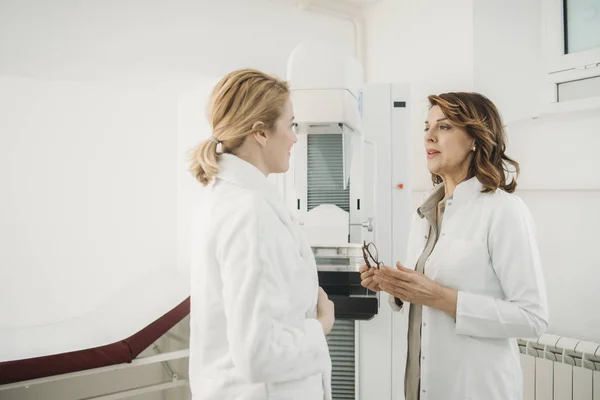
[561, 186]
[137, 41]
[88, 195]
[496, 48]
[508, 55]
[192, 129]
[428, 43]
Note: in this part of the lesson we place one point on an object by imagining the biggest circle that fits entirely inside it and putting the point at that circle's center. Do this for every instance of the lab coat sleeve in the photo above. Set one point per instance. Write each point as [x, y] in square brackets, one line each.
[267, 344]
[515, 258]
[411, 249]
[395, 303]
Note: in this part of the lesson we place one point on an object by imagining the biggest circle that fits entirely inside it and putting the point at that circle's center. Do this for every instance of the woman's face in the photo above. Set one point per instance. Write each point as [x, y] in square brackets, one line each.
[449, 149]
[281, 140]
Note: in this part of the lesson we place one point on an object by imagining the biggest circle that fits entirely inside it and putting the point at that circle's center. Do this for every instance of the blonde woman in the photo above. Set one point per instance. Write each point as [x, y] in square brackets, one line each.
[259, 318]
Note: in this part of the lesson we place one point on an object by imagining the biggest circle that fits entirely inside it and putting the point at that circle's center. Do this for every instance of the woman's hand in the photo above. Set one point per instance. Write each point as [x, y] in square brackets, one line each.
[416, 288]
[366, 278]
[325, 311]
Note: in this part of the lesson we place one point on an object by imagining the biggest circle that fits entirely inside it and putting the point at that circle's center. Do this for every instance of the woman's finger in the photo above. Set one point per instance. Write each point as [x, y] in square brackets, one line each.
[368, 281]
[374, 287]
[367, 274]
[389, 286]
[392, 280]
[395, 291]
[403, 268]
[400, 274]
[389, 289]
[370, 284]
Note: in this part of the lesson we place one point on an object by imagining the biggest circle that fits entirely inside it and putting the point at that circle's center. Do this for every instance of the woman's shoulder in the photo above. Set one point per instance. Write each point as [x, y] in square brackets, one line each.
[504, 204]
[502, 198]
[233, 202]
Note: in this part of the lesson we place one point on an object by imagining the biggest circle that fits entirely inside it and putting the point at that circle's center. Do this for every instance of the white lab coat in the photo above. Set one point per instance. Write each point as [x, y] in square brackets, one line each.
[488, 252]
[254, 290]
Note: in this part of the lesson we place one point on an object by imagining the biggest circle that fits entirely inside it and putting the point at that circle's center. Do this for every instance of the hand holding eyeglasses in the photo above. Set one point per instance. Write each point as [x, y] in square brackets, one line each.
[405, 284]
[366, 278]
[371, 257]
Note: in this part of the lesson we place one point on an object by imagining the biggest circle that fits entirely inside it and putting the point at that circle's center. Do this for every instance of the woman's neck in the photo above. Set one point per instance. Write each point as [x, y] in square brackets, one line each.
[451, 181]
[252, 156]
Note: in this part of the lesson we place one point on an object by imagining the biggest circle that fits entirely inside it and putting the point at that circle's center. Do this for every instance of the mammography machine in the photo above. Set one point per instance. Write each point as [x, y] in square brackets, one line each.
[349, 186]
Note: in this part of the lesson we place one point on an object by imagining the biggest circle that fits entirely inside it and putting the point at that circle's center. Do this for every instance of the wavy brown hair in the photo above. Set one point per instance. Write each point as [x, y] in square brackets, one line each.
[480, 118]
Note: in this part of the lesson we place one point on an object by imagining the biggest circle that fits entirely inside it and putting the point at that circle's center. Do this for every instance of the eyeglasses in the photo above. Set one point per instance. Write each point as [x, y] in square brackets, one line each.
[370, 255]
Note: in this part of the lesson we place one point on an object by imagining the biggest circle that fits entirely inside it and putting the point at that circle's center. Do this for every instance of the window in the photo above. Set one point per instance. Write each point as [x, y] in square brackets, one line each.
[572, 48]
[578, 89]
[581, 19]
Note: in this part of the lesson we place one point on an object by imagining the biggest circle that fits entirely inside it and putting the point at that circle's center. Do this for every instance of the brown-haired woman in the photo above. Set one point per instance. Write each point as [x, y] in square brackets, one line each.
[474, 281]
[258, 318]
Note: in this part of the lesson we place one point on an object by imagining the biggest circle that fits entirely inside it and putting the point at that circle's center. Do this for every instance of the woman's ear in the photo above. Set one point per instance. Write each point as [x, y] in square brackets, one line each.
[259, 133]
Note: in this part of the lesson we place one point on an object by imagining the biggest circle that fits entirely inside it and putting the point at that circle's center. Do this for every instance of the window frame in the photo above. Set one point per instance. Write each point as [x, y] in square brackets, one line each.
[561, 67]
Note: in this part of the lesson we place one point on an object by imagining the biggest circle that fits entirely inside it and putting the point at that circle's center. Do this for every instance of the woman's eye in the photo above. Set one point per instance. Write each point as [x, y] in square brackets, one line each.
[426, 129]
[445, 127]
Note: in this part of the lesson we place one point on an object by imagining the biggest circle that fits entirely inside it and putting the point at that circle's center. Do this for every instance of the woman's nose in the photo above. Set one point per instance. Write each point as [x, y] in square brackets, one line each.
[429, 136]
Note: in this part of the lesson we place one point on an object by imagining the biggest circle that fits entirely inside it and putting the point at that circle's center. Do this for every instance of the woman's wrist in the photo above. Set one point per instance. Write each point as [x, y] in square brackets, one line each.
[447, 301]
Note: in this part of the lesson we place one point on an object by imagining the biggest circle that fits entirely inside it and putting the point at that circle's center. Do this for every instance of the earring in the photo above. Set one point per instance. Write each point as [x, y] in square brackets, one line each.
[473, 148]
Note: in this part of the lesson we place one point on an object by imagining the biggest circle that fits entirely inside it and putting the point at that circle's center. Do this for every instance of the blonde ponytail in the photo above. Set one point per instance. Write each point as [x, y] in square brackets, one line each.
[237, 102]
[204, 162]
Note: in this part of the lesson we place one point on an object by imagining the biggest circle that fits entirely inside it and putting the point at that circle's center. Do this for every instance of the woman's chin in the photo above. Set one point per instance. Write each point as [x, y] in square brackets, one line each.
[434, 171]
[283, 168]
[433, 167]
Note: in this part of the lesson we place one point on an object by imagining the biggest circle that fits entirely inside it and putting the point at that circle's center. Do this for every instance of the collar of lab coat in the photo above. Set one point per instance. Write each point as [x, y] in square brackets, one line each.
[463, 192]
[234, 169]
[239, 172]
[466, 191]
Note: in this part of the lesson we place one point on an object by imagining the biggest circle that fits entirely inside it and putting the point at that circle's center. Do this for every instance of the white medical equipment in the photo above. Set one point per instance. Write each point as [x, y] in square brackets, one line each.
[325, 85]
[333, 182]
[349, 183]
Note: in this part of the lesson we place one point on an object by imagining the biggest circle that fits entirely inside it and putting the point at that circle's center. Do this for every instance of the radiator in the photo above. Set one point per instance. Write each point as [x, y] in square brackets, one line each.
[560, 368]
